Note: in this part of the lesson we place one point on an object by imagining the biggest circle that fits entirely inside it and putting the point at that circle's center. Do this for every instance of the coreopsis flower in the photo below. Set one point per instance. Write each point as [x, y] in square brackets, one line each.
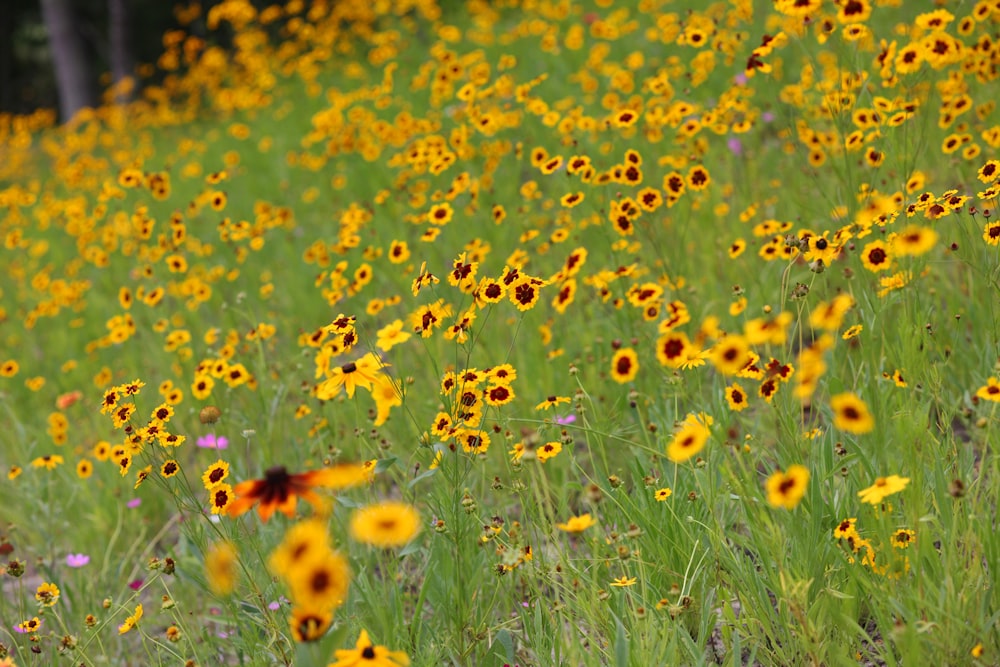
[577, 524]
[367, 654]
[548, 450]
[221, 567]
[131, 621]
[690, 438]
[785, 489]
[990, 391]
[320, 582]
[47, 594]
[883, 487]
[361, 373]
[851, 414]
[386, 524]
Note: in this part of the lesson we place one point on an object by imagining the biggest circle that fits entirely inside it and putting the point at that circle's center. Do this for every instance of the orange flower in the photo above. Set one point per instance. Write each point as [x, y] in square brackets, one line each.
[280, 489]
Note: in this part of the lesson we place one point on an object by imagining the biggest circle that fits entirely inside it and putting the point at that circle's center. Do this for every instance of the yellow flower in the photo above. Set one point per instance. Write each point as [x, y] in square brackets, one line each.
[852, 332]
[366, 654]
[304, 541]
[549, 450]
[990, 391]
[47, 594]
[387, 524]
[903, 538]
[690, 438]
[883, 487]
[388, 393]
[623, 581]
[785, 489]
[361, 373]
[221, 567]
[391, 335]
[320, 582]
[851, 414]
[131, 621]
[663, 494]
[577, 524]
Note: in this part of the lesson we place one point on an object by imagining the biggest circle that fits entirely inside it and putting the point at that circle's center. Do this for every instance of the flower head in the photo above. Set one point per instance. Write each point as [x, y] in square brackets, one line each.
[366, 654]
[577, 524]
[212, 441]
[785, 489]
[883, 487]
[386, 524]
[77, 560]
[279, 489]
[690, 438]
[851, 414]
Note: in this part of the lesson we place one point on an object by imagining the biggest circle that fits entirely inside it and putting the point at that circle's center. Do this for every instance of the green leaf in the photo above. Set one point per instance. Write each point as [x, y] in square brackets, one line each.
[621, 644]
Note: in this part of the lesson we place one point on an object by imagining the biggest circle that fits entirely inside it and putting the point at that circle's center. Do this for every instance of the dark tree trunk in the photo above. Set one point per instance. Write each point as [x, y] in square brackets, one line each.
[69, 57]
[7, 58]
[118, 32]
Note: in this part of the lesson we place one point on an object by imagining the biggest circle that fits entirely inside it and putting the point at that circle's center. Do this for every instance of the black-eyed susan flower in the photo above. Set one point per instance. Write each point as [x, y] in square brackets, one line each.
[279, 489]
[786, 489]
[367, 654]
[662, 494]
[387, 524]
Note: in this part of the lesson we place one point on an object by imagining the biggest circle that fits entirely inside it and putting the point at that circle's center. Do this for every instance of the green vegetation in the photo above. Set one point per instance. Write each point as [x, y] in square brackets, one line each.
[535, 333]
